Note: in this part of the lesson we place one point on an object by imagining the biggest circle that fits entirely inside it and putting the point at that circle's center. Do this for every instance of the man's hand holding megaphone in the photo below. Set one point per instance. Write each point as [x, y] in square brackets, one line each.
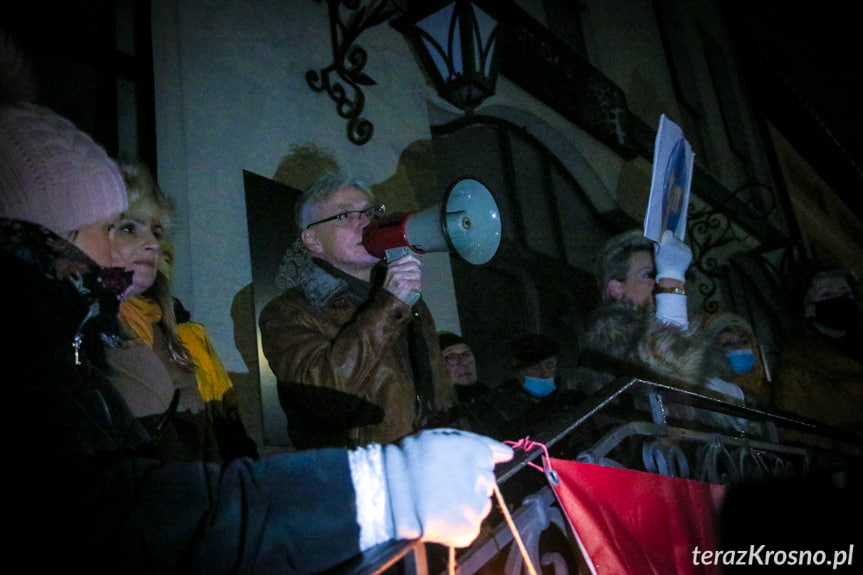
[404, 278]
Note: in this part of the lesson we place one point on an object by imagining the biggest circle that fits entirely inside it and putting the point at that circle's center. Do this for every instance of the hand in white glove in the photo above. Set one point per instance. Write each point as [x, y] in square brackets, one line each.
[672, 257]
[440, 482]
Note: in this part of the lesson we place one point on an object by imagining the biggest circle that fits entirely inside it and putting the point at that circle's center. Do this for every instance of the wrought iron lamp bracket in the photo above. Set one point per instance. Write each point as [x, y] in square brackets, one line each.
[344, 78]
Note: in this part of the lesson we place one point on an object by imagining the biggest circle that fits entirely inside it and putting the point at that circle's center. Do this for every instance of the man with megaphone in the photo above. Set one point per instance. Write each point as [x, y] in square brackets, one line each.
[353, 347]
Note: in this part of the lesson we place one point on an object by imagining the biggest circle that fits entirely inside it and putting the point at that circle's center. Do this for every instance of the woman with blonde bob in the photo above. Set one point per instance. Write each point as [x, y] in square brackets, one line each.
[169, 373]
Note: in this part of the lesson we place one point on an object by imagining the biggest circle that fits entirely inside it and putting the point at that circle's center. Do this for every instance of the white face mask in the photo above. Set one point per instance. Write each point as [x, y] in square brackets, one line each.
[539, 387]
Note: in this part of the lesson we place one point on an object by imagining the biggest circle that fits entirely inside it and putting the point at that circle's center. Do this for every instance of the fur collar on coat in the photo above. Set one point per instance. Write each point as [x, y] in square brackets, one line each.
[299, 270]
[620, 332]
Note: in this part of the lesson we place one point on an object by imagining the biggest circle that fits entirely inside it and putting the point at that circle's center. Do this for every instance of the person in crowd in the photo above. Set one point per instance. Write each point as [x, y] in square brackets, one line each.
[820, 369]
[534, 365]
[737, 340]
[643, 328]
[168, 372]
[356, 358]
[84, 494]
[472, 396]
[626, 278]
[644, 315]
[460, 364]
[525, 403]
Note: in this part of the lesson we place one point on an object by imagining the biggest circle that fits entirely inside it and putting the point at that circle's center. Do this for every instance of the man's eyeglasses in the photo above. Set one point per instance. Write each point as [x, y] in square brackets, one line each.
[353, 216]
[456, 358]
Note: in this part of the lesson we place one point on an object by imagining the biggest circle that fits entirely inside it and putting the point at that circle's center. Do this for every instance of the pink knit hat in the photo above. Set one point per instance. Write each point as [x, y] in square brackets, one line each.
[53, 174]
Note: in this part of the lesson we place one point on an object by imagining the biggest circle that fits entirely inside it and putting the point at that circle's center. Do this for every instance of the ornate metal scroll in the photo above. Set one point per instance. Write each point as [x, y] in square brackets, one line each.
[710, 232]
[349, 60]
[538, 513]
[713, 232]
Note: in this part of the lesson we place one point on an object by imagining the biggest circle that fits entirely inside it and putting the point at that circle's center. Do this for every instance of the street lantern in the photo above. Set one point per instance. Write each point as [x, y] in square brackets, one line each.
[457, 47]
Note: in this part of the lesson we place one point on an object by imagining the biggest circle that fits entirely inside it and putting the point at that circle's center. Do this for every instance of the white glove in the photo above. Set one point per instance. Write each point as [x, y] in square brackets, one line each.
[672, 257]
[440, 482]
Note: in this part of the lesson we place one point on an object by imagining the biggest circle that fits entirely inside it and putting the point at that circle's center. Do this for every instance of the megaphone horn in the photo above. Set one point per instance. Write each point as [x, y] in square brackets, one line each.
[467, 223]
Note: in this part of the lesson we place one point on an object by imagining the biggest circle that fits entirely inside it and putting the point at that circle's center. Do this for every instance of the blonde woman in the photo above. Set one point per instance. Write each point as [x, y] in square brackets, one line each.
[169, 374]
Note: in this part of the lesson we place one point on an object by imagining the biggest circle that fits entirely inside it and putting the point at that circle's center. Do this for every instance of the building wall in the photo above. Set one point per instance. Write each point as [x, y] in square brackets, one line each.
[232, 96]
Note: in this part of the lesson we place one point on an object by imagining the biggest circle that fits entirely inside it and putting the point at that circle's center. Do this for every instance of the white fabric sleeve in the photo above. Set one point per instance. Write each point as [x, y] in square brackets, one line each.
[726, 388]
[372, 500]
[671, 308]
[732, 391]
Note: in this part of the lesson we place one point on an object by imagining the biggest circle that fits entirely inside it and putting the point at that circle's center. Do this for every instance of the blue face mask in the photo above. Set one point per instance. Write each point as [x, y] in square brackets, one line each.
[742, 360]
[538, 387]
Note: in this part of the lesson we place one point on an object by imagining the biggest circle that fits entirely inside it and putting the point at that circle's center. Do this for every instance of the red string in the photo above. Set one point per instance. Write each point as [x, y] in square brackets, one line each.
[526, 444]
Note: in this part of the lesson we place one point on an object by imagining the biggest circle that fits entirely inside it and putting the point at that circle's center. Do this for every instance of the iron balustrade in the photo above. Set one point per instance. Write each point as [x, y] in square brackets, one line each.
[663, 447]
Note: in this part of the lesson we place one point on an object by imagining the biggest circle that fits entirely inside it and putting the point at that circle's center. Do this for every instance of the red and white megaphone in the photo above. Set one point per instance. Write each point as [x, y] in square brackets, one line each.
[467, 223]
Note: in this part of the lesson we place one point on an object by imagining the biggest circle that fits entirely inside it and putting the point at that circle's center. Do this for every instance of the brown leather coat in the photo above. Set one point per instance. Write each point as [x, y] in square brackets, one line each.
[344, 366]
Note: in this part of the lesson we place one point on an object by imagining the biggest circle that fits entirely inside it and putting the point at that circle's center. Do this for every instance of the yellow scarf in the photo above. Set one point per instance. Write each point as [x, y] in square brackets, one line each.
[213, 380]
[141, 314]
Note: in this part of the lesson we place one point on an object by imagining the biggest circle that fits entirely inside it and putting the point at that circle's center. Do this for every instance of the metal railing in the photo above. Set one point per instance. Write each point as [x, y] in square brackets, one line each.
[666, 435]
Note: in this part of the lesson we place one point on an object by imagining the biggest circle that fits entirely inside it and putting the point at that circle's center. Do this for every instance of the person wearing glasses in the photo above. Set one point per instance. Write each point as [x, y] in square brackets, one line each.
[471, 394]
[460, 364]
[354, 361]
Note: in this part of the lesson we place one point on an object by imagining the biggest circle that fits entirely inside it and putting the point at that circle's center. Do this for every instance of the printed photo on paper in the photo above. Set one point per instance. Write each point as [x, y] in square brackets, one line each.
[673, 161]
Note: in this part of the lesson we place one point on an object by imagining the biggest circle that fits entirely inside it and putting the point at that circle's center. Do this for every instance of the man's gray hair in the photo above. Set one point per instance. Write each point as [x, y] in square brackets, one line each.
[321, 189]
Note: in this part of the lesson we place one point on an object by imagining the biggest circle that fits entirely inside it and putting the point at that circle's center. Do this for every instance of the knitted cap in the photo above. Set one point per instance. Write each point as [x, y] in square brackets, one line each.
[53, 174]
[446, 339]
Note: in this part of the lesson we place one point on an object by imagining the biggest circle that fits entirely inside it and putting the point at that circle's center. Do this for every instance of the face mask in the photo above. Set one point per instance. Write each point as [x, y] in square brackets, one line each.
[742, 360]
[538, 387]
[839, 313]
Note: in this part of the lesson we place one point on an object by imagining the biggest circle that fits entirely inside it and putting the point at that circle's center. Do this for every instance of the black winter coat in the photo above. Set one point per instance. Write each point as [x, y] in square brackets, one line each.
[80, 497]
